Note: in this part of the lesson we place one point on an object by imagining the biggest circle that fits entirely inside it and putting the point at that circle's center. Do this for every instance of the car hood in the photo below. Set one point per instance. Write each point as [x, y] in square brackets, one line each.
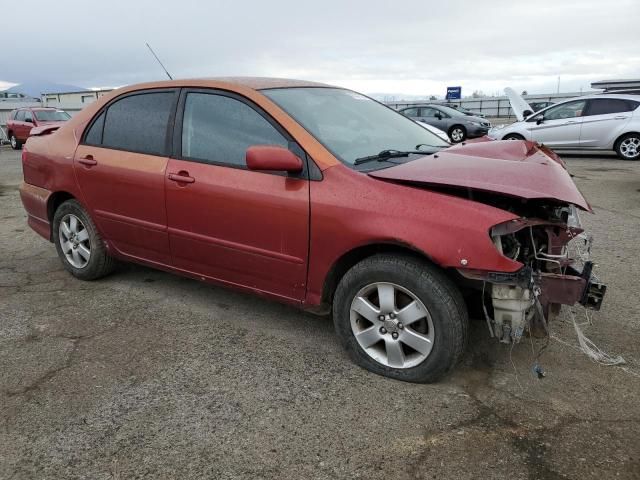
[57, 122]
[521, 109]
[473, 118]
[514, 168]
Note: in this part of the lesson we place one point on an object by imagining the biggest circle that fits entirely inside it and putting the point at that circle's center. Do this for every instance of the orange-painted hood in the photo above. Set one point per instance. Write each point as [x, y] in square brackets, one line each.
[515, 168]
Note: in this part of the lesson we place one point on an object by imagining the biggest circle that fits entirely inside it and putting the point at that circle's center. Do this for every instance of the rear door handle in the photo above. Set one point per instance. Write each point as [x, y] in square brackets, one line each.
[181, 177]
[88, 161]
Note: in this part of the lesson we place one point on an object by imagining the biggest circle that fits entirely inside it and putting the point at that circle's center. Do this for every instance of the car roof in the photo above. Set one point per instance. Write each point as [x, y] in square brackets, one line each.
[254, 83]
[619, 96]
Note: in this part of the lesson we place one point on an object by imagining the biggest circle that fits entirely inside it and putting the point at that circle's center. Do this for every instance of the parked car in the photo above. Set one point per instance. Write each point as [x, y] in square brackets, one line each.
[22, 120]
[434, 130]
[591, 122]
[318, 197]
[458, 126]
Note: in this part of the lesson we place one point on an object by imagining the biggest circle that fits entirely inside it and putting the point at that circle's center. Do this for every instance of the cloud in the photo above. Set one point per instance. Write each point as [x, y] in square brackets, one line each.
[414, 47]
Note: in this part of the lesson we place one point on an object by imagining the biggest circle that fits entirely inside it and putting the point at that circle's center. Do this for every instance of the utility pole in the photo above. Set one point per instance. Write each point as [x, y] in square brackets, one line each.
[558, 84]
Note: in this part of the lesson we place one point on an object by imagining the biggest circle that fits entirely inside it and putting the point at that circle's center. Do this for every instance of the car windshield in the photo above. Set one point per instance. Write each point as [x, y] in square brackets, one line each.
[352, 126]
[52, 115]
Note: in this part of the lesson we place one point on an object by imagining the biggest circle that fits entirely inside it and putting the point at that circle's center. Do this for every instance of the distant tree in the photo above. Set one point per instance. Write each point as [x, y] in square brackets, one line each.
[524, 92]
[433, 97]
[477, 94]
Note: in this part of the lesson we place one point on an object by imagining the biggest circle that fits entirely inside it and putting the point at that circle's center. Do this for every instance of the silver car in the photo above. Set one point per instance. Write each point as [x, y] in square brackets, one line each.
[458, 126]
[593, 122]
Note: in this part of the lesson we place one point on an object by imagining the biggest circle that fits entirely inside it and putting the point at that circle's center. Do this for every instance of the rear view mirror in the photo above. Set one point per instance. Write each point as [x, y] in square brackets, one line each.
[272, 158]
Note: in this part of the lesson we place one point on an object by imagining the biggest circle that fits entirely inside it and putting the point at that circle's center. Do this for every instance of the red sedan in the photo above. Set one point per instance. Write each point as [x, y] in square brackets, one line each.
[319, 197]
[23, 120]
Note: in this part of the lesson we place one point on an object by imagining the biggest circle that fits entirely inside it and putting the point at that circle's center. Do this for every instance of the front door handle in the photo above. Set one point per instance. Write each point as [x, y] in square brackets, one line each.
[181, 177]
[620, 117]
[88, 161]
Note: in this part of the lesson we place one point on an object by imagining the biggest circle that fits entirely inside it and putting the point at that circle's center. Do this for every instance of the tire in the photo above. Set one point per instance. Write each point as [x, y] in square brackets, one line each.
[513, 136]
[15, 143]
[457, 134]
[78, 240]
[628, 147]
[442, 317]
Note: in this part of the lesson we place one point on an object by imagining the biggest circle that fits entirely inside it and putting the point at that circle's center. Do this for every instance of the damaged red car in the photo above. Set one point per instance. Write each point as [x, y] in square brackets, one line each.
[322, 198]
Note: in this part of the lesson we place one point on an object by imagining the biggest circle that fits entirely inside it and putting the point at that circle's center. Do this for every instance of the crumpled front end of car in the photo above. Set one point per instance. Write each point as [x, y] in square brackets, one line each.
[556, 270]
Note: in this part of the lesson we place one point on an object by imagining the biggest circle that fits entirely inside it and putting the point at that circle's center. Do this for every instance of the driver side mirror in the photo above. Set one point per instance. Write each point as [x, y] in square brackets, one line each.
[539, 120]
[28, 120]
[272, 158]
[439, 116]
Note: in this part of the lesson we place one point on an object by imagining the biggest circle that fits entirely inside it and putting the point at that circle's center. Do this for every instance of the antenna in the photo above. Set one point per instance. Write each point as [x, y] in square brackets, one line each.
[156, 57]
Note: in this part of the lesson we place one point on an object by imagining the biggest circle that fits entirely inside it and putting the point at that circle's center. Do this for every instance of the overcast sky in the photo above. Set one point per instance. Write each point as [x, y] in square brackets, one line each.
[374, 46]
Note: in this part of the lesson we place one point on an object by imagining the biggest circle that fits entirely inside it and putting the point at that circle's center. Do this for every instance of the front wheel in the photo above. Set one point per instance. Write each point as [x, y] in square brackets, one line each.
[79, 244]
[628, 147]
[400, 317]
[15, 143]
[513, 136]
[457, 133]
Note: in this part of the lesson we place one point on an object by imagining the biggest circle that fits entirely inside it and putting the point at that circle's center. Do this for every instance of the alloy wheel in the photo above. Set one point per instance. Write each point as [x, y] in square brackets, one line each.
[457, 135]
[630, 147]
[392, 325]
[74, 240]
[14, 142]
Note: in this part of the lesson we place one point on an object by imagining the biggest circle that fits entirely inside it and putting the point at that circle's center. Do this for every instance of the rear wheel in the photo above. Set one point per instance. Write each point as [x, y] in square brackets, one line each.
[513, 136]
[79, 244]
[457, 133]
[400, 317]
[15, 143]
[628, 147]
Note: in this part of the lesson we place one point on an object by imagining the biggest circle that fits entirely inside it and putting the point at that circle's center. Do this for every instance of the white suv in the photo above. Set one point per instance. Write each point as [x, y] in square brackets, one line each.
[593, 122]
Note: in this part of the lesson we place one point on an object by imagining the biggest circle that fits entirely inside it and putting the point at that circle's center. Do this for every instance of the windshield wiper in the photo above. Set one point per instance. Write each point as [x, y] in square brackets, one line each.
[384, 155]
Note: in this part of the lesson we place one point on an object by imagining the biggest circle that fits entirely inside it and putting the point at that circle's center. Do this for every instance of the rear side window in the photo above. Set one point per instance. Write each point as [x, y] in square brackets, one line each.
[136, 123]
[603, 106]
[94, 135]
[218, 129]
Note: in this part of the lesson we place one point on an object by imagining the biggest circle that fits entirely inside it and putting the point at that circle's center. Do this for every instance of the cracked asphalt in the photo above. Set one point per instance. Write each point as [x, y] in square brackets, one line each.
[148, 375]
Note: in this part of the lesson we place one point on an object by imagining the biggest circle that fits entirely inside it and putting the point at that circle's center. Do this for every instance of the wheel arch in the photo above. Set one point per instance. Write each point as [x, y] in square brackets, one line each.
[55, 200]
[621, 136]
[456, 125]
[350, 258]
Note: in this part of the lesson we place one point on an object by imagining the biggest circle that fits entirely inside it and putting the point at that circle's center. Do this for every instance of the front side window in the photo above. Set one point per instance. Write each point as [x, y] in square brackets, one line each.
[352, 126]
[218, 129]
[603, 106]
[566, 110]
[28, 116]
[410, 112]
[20, 116]
[429, 112]
[137, 123]
[51, 115]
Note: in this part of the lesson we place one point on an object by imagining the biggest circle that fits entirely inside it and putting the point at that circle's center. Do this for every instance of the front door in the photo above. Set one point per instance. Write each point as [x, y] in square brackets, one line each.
[558, 126]
[434, 117]
[228, 223]
[120, 166]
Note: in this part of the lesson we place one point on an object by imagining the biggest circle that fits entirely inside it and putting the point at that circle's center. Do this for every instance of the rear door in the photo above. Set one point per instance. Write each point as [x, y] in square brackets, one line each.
[228, 223]
[120, 166]
[558, 126]
[604, 120]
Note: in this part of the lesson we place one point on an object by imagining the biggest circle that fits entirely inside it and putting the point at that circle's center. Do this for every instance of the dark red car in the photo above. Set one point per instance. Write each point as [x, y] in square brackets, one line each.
[318, 197]
[22, 120]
